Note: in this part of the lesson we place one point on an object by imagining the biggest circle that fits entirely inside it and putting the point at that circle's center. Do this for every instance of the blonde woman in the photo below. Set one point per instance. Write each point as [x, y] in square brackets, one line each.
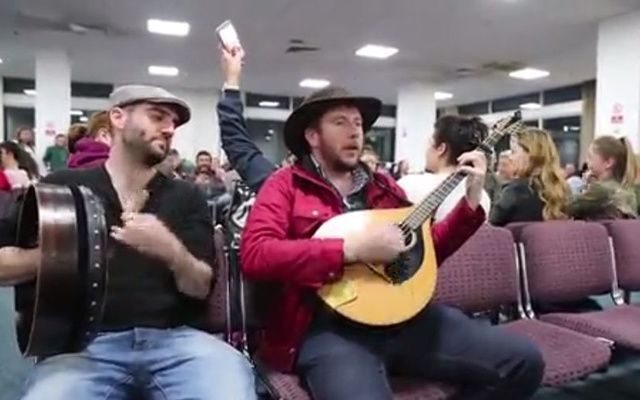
[611, 190]
[539, 192]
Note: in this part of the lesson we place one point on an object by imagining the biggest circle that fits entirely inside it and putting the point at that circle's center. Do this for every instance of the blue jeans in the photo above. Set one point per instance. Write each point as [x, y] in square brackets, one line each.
[343, 361]
[172, 364]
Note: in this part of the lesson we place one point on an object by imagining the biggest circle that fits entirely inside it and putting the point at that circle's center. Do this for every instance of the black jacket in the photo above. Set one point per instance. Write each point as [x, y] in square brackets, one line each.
[518, 202]
[244, 156]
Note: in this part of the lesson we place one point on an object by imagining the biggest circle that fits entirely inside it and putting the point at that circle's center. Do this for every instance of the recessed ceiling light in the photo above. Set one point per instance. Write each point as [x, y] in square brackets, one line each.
[84, 119]
[270, 104]
[29, 92]
[314, 83]
[1, 61]
[530, 106]
[173, 28]
[376, 51]
[529, 74]
[163, 70]
[77, 112]
[442, 96]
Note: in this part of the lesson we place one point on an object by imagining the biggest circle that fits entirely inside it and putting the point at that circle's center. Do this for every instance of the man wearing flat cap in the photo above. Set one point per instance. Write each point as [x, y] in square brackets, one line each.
[160, 263]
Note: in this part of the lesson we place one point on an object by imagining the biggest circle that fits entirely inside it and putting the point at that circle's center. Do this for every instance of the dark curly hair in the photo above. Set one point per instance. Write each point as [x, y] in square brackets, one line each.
[460, 134]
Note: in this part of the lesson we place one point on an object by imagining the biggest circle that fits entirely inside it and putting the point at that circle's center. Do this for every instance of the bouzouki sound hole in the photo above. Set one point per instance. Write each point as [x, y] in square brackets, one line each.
[405, 266]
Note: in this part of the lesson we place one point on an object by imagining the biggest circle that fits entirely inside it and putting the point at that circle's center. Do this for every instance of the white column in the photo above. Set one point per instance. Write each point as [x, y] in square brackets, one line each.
[415, 118]
[618, 82]
[53, 97]
[202, 132]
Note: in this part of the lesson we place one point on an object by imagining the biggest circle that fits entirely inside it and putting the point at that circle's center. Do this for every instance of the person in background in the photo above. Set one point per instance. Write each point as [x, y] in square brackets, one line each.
[539, 192]
[574, 179]
[370, 158]
[204, 159]
[91, 147]
[506, 169]
[171, 165]
[12, 158]
[26, 140]
[288, 160]
[5, 185]
[611, 191]
[400, 170]
[453, 136]
[569, 170]
[76, 132]
[56, 156]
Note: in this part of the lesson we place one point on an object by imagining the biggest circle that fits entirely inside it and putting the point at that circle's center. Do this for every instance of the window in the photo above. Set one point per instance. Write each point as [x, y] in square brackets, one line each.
[474, 108]
[84, 117]
[389, 110]
[18, 85]
[15, 117]
[513, 103]
[268, 136]
[566, 135]
[78, 89]
[267, 101]
[383, 141]
[99, 90]
[562, 95]
[297, 101]
[563, 126]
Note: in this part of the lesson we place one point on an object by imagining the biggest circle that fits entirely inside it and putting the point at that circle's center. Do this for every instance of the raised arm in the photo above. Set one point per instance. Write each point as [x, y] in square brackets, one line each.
[245, 157]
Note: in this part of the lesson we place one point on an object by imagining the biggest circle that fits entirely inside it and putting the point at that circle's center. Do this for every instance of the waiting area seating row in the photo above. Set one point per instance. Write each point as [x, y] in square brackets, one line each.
[513, 270]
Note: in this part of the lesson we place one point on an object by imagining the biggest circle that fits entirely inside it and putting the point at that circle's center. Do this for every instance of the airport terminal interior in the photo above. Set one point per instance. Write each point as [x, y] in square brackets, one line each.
[264, 109]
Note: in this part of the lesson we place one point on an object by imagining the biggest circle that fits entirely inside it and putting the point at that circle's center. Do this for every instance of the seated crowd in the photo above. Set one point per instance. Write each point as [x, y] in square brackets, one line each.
[329, 171]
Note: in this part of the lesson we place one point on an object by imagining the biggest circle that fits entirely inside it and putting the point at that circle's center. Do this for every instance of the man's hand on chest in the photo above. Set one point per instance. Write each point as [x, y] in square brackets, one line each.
[147, 234]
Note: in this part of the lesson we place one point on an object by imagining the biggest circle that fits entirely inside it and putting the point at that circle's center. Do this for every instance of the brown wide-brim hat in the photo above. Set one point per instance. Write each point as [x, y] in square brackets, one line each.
[317, 104]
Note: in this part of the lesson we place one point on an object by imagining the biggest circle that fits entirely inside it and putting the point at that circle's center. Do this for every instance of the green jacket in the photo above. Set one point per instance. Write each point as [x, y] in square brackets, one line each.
[604, 200]
[55, 158]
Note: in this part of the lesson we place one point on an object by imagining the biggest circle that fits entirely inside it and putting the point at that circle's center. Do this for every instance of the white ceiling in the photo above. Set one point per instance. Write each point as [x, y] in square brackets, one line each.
[435, 37]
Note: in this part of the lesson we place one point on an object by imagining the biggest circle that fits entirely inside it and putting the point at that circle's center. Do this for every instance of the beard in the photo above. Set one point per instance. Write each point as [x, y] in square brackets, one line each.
[338, 163]
[136, 143]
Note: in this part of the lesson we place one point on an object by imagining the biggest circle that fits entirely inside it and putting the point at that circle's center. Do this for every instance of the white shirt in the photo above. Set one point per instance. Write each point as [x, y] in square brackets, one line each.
[18, 178]
[419, 186]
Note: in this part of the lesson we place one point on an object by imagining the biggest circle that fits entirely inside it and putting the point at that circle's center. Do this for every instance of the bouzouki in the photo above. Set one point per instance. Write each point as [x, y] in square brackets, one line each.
[381, 295]
[60, 311]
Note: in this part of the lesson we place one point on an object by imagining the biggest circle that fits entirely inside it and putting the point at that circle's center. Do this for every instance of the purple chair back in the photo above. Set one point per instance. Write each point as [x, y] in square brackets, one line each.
[625, 235]
[218, 301]
[482, 274]
[566, 260]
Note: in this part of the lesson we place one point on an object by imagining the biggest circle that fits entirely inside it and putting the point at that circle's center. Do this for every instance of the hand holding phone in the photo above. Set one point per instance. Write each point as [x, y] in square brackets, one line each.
[231, 63]
[228, 36]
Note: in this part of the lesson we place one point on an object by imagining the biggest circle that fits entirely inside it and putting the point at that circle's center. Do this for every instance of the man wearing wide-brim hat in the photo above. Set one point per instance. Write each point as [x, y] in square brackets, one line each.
[160, 259]
[339, 359]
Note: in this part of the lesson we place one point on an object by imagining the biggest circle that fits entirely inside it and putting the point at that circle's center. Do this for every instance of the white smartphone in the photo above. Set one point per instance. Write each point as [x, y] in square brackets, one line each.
[227, 35]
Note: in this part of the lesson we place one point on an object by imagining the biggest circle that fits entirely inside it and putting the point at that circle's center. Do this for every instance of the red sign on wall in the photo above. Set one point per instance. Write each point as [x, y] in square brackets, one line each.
[617, 117]
[50, 129]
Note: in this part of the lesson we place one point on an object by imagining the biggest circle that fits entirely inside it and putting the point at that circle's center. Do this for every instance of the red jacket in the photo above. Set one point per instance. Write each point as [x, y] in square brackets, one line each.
[277, 247]
[5, 185]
